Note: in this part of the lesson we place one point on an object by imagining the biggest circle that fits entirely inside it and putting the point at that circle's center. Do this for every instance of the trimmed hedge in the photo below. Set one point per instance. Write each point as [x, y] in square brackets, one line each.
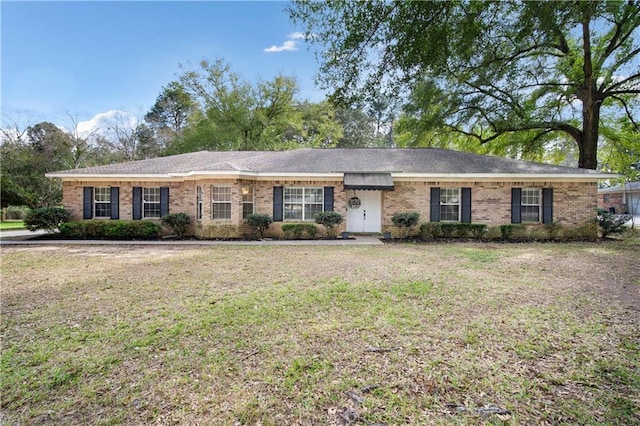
[431, 230]
[296, 231]
[112, 229]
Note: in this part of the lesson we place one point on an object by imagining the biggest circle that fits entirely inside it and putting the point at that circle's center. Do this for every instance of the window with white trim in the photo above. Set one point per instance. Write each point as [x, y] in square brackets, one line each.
[247, 200]
[150, 203]
[221, 202]
[102, 202]
[199, 204]
[450, 204]
[530, 203]
[302, 203]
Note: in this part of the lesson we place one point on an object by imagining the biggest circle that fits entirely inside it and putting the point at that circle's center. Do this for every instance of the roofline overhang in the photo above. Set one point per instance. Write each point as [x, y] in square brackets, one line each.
[399, 176]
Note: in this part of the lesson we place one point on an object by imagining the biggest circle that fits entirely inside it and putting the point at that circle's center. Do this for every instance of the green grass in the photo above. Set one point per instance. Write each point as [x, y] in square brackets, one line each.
[11, 225]
[287, 335]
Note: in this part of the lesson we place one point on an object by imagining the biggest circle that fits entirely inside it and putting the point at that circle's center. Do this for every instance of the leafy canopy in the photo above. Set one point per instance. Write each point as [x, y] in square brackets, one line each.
[482, 68]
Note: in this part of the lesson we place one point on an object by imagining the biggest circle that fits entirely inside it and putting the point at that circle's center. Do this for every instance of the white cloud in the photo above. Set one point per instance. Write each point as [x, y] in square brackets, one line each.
[103, 123]
[297, 36]
[289, 45]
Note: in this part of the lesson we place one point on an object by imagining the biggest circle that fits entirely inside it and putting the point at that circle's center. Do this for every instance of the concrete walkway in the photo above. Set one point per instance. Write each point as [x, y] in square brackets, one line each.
[8, 238]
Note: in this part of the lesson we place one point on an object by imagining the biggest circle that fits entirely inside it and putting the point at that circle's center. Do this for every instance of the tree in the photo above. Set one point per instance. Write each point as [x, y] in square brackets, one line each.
[42, 148]
[170, 113]
[128, 139]
[495, 68]
[236, 115]
[359, 128]
[320, 127]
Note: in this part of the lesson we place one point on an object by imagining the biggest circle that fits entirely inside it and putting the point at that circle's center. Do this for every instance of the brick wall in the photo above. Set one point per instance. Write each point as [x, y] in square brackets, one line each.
[574, 202]
[615, 200]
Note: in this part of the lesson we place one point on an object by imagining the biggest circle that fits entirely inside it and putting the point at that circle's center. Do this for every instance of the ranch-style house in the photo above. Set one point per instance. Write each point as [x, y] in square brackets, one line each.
[366, 185]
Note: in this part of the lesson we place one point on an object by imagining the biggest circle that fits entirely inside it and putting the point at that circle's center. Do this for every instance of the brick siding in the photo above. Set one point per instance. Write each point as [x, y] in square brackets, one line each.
[574, 202]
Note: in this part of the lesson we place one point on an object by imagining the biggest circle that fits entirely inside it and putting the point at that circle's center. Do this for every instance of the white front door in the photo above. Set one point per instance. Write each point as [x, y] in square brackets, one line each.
[364, 211]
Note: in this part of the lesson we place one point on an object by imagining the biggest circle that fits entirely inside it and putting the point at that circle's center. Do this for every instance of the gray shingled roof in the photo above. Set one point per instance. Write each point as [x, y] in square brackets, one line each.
[338, 160]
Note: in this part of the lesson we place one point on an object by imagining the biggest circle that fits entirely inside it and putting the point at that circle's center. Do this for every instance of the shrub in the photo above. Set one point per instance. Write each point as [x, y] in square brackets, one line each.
[447, 230]
[47, 218]
[259, 222]
[451, 230]
[429, 230]
[611, 223]
[478, 230]
[111, 229]
[330, 220]
[405, 221]
[16, 212]
[72, 229]
[512, 231]
[553, 229]
[178, 223]
[295, 231]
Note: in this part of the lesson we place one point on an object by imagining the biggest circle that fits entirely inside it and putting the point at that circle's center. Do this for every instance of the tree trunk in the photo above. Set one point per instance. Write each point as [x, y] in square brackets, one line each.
[588, 145]
[588, 94]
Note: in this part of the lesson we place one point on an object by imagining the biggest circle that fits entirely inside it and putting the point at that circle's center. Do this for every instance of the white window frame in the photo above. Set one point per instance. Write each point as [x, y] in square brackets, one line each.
[217, 202]
[446, 196]
[303, 203]
[102, 197]
[199, 202]
[248, 198]
[524, 202]
[151, 202]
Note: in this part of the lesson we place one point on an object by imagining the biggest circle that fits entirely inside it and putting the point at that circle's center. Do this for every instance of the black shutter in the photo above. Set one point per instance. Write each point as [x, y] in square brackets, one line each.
[277, 203]
[435, 204]
[516, 205]
[328, 198]
[547, 205]
[466, 205]
[87, 202]
[164, 201]
[115, 202]
[137, 202]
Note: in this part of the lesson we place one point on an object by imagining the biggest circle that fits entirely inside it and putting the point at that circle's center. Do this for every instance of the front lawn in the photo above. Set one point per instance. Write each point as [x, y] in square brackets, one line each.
[11, 225]
[274, 335]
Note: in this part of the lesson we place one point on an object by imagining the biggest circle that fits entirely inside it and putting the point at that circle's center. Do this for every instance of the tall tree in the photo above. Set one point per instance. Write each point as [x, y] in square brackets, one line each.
[170, 113]
[236, 114]
[496, 67]
[44, 148]
[320, 126]
[359, 128]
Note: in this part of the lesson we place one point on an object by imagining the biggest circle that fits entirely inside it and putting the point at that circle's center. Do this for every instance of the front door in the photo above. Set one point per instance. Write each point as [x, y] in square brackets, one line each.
[364, 211]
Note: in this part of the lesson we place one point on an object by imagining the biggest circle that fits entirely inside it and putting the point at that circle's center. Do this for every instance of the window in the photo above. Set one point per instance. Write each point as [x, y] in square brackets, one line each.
[247, 200]
[199, 204]
[221, 202]
[450, 204]
[605, 198]
[302, 203]
[530, 202]
[102, 202]
[150, 203]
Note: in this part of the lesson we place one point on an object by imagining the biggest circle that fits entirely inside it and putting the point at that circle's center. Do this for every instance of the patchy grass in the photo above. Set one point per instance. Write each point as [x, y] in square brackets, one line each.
[396, 334]
[11, 225]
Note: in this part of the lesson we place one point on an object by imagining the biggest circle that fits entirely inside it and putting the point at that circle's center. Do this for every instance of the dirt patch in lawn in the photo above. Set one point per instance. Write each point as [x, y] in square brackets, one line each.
[393, 334]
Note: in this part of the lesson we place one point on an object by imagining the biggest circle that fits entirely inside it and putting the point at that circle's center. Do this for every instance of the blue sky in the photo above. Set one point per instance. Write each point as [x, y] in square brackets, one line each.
[86, 58]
